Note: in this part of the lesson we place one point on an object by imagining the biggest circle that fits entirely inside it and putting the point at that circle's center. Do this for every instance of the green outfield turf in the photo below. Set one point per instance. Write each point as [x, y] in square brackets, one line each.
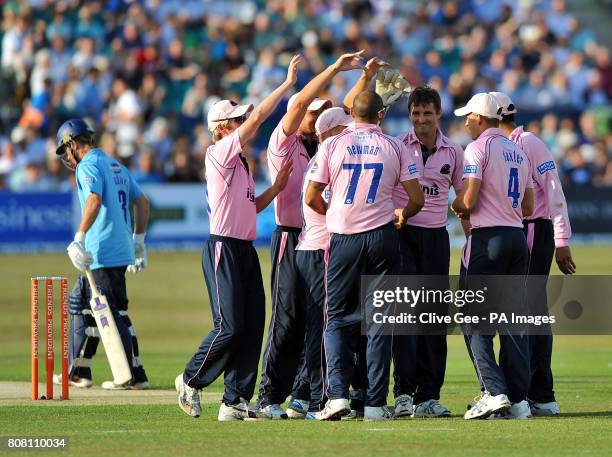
[169, 307]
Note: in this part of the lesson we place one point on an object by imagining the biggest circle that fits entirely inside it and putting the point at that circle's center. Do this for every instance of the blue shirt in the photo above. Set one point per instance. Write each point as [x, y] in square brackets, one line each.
[110, 237]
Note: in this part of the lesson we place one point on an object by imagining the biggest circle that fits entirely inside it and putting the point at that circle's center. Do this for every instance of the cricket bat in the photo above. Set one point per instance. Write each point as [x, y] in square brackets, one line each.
[113, 346]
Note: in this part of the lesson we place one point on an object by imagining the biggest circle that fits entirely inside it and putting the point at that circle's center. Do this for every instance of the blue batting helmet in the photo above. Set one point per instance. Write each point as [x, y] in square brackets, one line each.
[70, 130]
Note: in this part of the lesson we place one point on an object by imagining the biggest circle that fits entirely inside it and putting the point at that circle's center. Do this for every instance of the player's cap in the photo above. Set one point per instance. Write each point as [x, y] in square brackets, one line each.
[225, 110]
[315, 105]
[484, 104]
[505, 102]
[330, 118]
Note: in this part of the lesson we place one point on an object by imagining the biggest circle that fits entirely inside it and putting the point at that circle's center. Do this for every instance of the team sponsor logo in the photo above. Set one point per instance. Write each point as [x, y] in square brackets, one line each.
[89, 180]
[115, 167]
[412, 169]
[250, 196]
[431, 191]
[446, 169]
[314, 167]
[470, 169]
[546, 166]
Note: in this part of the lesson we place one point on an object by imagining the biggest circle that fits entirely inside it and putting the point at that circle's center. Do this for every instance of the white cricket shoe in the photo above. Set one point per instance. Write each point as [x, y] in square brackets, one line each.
[486, 405]
[110, 385]
[545, 409]
[297, 409]
[403, 406]
[519, 410]
[188, 397]
[334, 410]
[377, 413]
[273, 412]
[239, 412]
[80, 383]
[430, 408]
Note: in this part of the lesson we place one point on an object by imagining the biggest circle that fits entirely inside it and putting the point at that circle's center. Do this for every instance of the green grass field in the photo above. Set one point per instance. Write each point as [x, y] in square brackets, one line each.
[169, 306]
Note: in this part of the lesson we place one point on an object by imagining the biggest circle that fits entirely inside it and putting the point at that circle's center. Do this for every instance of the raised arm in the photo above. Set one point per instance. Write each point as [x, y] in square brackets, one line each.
[367, 75]
[249, 128]
[295, 114]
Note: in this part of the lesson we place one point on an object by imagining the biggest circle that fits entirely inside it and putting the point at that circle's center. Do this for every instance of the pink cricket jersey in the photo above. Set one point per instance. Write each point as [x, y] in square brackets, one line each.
[230, 190]
[362, 165]
[443, 169]
[314, 233]
[505, 172]
[281, 149]
[549, 198]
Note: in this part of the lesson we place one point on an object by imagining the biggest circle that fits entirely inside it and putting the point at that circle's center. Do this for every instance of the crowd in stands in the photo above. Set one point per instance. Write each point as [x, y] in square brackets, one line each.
[144, 73]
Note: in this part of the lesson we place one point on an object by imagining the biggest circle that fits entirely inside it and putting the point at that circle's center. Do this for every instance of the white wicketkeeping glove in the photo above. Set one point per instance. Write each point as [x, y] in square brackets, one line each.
[391, 85]
[80, 257]
[140, 252]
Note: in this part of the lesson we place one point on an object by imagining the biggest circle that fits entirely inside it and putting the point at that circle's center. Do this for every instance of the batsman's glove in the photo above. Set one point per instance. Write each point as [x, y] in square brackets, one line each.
[140, 253]
[80, 257]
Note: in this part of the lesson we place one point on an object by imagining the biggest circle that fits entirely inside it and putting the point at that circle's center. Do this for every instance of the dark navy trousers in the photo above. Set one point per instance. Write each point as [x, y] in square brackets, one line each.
[285, 343]
[311, 274]
[420, 360]
[500, 251]
[374, 253]
[237, 301]
[541, 244]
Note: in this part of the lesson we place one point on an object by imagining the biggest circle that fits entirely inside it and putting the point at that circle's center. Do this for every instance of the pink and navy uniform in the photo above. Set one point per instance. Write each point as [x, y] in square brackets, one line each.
[285, 341]
[425, 250]
[233, 277]
[361, 167]
[497, 246]
[547, 228]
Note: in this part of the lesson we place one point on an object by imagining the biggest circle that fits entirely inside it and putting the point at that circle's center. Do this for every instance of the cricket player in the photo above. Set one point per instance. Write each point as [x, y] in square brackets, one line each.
[548, 231]
[420, 361]
[310, 263]
[361, 167]
[294, 139]
[229, 261]
[497, 194]
[104, 242]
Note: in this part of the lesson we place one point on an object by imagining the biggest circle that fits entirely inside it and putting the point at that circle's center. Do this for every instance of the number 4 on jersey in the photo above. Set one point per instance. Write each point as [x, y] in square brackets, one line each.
[513, 186]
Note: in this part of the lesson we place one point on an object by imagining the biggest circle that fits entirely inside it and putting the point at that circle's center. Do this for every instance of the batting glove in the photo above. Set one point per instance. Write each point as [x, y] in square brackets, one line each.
[391, 85]
[80, 257]
[140, 253]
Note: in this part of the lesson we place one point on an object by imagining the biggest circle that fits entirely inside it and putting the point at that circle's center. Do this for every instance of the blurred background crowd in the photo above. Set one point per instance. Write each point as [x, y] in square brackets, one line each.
[146, 72]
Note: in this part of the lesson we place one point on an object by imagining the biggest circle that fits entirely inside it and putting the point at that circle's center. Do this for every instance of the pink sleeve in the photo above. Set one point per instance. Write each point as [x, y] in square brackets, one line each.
[457, 177]
[473, 162]
[408, 169]
[225, 151]
[280, 144]
[319, 172]
[545, 172]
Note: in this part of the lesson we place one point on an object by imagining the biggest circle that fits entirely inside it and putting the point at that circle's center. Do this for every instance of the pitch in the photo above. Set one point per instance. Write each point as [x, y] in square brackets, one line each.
[170, 305]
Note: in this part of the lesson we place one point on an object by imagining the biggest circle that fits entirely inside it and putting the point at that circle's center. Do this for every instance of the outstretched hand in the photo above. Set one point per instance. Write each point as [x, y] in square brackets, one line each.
[292, 71]
[373, 66]
[283, 176]
[349, 61]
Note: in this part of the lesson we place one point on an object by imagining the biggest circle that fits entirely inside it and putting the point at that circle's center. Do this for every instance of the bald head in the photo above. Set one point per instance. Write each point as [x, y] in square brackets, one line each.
[367, 107]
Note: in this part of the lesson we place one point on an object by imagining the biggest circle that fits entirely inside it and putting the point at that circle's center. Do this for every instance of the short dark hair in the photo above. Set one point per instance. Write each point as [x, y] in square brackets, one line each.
[508, 118]
[367, 105]
[424, 95]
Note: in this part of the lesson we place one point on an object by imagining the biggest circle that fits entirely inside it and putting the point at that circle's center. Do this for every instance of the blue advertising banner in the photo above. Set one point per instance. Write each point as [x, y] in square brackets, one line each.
[35, 221]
